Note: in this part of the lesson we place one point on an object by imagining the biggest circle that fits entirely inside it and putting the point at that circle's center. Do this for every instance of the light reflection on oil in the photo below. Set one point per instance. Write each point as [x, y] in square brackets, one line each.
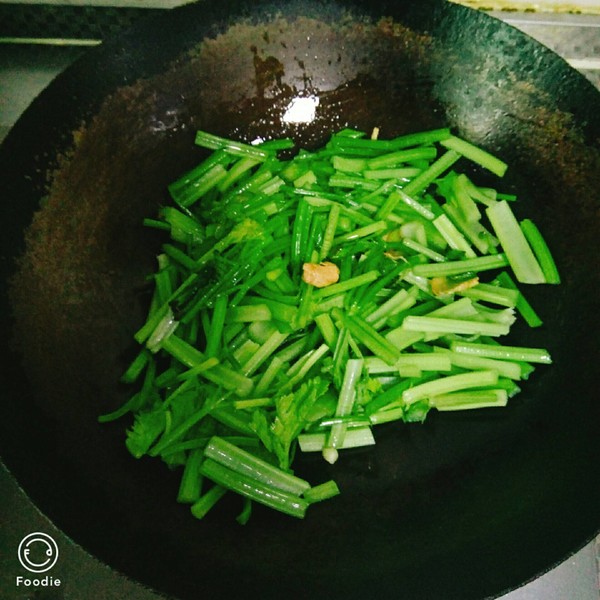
[301, 110]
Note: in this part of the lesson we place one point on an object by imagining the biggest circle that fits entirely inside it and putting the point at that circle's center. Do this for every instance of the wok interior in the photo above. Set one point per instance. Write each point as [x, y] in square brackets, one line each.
[466, 497]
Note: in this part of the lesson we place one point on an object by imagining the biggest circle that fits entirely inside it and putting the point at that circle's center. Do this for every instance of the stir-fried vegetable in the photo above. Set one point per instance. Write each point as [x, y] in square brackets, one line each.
[299, 303]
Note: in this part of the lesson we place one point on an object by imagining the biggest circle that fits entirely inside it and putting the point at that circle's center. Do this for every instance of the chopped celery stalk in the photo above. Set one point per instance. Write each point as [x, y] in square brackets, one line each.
[249, 313]
[367, 335]
[427, 361]
[457, 267]
[501, 352]
[272, 497]
[491, 293]
[523, 306]
[214, 142]
[321, 492]
[387, 416]
[453, 236]
[348, 284]
[245, 356]
[201, 507]
[354, 438]
[136, 367]
[421, 249]
[541, 250]
[451, 383]
[421, 182]
[459, 326]
[262, 354]
[469, 400]
[505, 368]
[476, 155]
[520, 256]
[242, 461]
[346, 399]
[402, 156]
[166, 326]
[191, 480]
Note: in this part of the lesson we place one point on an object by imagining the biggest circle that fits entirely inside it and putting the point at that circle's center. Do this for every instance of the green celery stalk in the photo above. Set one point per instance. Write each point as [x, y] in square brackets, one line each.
[520, 256]
[518, 353]
[201, 507]
[476, 155]
[451, 383]
[321, 492]
[468, 400]
[244, 462]
[354, 438]
[457, 267]
[285, 502]
[541, 250]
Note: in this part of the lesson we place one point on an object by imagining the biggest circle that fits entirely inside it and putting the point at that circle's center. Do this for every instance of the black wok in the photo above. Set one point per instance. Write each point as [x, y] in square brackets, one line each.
[464, 506]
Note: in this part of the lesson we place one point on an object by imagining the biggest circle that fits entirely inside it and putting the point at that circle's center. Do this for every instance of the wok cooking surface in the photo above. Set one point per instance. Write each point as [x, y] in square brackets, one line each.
[129, 590]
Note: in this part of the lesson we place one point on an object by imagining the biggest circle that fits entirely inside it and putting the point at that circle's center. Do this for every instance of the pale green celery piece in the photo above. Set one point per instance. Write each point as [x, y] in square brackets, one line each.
[401, 300]
[399, 173]
[261, 331]
[215, 142]
[348, 284]
[502, 352]
[330, 230]
[493, 294]
[268, 376]
[245, 352]
[249, 313]
[326, 326]
[476, 155]
[312, 358]
[402, 338]
[165, 328]
[361, 232]
[201, 507]
[475, 233]
[399, 157]
[253, 403]
[190, 486]
[242, 461]
[348, 164]
[415, 205]
[435, 169]
[468, 400]
[262, 353]
[236, 172]
[354, 438]
[387, 415]
[424, 361]
[346, 400]
[285, 502]
[457, 267]
[441, 325]
[454, 238]
[505, 368]
[468, 209]
[541, 250]
[514, 244]
[321, 492]
[451, 383]
[424, 250]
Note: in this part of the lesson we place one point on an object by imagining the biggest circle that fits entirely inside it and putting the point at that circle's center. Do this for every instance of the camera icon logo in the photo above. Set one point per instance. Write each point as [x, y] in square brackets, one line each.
[38, 552]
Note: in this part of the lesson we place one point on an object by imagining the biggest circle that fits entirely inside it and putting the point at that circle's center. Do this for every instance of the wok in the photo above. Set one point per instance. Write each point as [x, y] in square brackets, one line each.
[464, 506]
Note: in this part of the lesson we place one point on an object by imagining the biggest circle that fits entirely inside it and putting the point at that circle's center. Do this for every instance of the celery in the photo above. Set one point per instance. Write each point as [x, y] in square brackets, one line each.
[242, 362]
[520, 256]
